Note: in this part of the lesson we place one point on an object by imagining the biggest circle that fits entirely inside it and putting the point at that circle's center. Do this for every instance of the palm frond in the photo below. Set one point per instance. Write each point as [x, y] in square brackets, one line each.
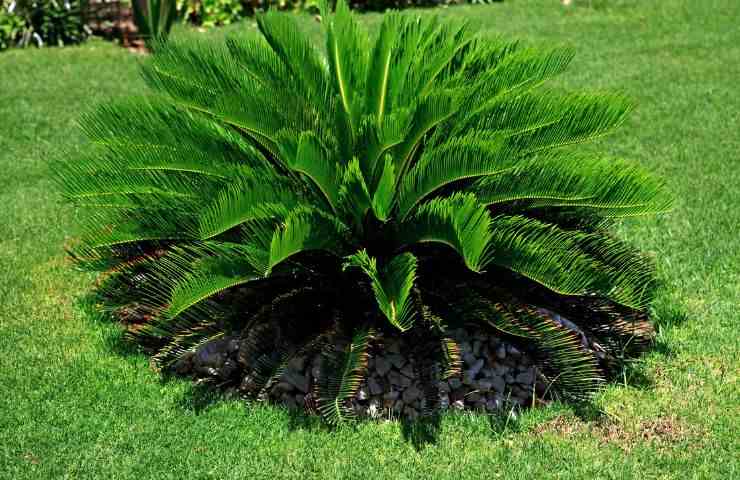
[347, 50]
[573, 372]
[292, 47]
[379, 71]
[458, 221]
[354, 196]
[306, 229]
[459, 158]
[341, 375]
[567, 262]
[391, 285]
[253, 196]
[612, 188]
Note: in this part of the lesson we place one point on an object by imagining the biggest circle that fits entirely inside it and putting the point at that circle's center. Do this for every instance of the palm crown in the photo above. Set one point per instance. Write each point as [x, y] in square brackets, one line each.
[261, 160]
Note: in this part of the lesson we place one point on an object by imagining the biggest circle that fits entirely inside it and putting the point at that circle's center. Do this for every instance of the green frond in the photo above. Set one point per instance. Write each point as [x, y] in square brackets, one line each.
[430, 112]
[189, 275]
[459, 158]
[612, 188]
[305, 154]
[630, 276]
[108, 228]
[154, 124]
[379, 70]
[347, 49]
[458, 221]
[568, 262]
[376, 140]
[342, 373]
[573, 372]
[297, 54]
[514, 71]
[354, 197]
[438, 52]
[382, 201]
[258, 195]
[391, 285]
[546, 120]
[305, 229]
[204, 77]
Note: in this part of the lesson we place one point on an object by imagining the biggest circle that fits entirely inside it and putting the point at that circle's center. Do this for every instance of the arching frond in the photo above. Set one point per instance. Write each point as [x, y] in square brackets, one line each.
[613, 188]
[377, 100]
[305, 154]
[189, 275]
[506, 72]
[572, 371]
[543, 120]
[258, 195]
[305, 229]
[354, 197]
[458, 221]
[460, 158]
[565, 261]
[392, 285]
[382, 201]
[293, 48]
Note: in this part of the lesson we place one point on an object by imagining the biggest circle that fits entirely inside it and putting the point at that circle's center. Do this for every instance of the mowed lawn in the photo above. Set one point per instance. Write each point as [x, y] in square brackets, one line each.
[76, 402]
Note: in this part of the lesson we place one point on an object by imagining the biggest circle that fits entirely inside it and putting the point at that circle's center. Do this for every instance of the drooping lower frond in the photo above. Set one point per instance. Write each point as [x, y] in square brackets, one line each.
[342, 373]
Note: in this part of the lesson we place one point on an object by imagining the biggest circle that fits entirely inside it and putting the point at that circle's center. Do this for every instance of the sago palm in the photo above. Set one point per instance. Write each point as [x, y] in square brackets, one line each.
[408, 182]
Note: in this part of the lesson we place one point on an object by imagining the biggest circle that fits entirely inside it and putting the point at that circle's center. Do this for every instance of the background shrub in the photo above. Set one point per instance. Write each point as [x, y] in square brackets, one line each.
[41, 22]
[11, 26]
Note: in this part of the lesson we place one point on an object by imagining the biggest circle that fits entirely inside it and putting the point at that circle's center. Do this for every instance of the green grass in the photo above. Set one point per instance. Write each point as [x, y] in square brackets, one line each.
[76, 403]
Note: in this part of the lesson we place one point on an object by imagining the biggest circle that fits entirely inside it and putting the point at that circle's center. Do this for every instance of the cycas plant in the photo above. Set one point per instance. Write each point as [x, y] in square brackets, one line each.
[406, 183]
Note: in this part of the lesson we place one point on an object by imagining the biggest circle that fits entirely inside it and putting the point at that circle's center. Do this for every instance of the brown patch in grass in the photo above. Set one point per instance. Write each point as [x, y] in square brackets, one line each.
[561, 426]
[662, 432]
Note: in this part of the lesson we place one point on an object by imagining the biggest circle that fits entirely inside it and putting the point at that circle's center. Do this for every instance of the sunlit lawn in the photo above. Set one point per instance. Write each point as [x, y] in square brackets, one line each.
[76, 403]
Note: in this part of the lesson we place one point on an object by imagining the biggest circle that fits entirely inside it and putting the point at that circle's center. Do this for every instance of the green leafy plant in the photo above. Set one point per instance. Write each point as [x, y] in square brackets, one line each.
[12, 26]
[154, 18]
[41, 23]
[406, 183]
[211, 13]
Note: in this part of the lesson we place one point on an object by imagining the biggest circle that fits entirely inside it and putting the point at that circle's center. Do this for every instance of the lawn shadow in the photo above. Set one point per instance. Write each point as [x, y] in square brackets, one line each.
[666, 314]
[198, 397]
[114, 335]
[421, 432]
[588, 412]
[299, 420]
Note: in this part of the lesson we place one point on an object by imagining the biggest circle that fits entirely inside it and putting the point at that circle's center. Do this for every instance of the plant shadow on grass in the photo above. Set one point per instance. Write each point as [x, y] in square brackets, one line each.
[114, 337]
[199, 397]
[666, 314]
[421, 432]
